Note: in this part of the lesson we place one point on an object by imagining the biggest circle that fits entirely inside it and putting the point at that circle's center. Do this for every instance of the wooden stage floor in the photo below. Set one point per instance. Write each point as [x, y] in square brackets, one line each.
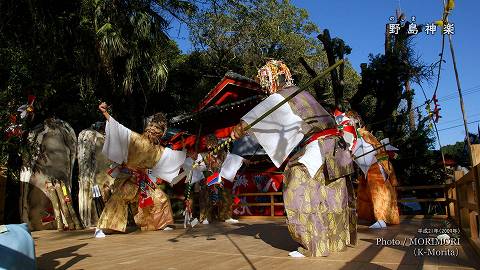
[246, 245]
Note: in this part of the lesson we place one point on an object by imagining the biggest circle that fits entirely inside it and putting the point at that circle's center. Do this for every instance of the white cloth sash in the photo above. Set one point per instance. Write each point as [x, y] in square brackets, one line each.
[278, 133]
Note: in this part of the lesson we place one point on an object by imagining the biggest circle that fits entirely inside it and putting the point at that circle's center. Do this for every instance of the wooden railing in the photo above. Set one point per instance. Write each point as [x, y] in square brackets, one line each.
[464, 203]
[272, 202]
[439, 199]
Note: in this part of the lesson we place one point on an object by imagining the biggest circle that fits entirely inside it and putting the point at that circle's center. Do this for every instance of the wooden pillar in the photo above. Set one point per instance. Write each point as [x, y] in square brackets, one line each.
[272, 206]
[458, 199]
[476, 154]
[476, 182]
[446, 194]
[473, 225]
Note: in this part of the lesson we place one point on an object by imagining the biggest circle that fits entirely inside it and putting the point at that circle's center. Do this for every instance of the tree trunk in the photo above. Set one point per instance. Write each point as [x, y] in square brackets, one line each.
[317, 86]
[411, 113]
[328, 45]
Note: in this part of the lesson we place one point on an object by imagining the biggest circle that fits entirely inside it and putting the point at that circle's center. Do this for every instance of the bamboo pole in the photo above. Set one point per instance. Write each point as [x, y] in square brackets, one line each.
[462, 107]
[465, 122]
[447, 10]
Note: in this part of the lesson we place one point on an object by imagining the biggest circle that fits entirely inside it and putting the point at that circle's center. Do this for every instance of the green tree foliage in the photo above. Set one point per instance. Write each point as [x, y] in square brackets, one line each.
[242, 35]
[417, 163]
[72, 54]
[459, 152]
[384, 81]
[385, 103]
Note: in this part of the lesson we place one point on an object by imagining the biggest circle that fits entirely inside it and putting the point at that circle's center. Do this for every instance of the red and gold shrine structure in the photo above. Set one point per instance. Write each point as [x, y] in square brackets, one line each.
[258, 183]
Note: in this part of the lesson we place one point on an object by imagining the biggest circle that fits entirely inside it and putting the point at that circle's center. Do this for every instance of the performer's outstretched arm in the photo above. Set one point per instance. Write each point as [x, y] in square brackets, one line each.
[103, 108]
[117, 138]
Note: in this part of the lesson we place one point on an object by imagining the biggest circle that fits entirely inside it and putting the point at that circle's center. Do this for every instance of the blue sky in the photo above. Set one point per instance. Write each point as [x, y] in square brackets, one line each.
[361, 24]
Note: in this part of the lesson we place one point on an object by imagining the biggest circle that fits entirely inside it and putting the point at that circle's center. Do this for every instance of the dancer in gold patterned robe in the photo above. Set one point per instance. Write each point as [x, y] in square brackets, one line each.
[315, 194]
[141, 158]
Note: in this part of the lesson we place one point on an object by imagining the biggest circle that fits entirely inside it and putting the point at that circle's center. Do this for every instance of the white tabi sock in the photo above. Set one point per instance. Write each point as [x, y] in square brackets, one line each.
[168, 229]
[98, 233]
[194, 222]
[296, 254]
[205, 222]
[231, 220]
[378, 225]
[384, 225]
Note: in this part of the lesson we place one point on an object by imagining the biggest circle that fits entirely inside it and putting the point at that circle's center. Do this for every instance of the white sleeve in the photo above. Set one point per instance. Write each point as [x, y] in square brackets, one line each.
[169, 164]
[312, 158]
[230, 166]
[197, 174]
[366, 160]
[278, 133]
[117, 139]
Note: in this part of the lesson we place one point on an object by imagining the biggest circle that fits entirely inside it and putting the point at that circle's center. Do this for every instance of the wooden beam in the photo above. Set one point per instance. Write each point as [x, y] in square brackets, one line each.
[466, 179]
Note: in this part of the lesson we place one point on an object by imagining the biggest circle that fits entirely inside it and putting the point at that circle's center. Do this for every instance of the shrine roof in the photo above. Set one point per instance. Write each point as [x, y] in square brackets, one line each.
[224, 105]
